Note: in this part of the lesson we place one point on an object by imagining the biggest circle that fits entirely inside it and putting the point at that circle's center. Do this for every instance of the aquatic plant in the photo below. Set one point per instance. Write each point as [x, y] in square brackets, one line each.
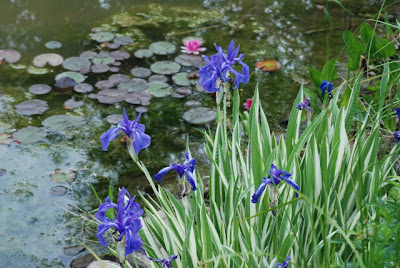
[247, 104]
[305, 105]
[326, 86]
[192, 45]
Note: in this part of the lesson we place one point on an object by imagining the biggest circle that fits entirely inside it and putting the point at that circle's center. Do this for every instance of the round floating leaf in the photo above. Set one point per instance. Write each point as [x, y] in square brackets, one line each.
[138, 97]
[30, 135]
[200, 89]
[181, 79]
[141, 109]
[103, 60]
[118, 78]
[76, 64]
[165, 67]
[123, 40]
[85, 71]
[39, 89]
[181, 92]
[190, 60]
[158, 78]
[58, 190]
[92, 96]
[5, 138]
[61, 122]
[143, 53]
[134, 85]
[37, 71]
[114, 69]
[114, 118]
[2, 172]
[79, 78]
[31, 107]
[100, 68]
[268, 65]
[111, 96]
[102, 37]
[63, 176]
[113, 46]
[116, 63]
[120, 55]
[53, 45]
[159, 89]
[193, 75]
[65, 82]
[52, 59]
[18, 66]
[73, 104]
[192, 104]
[162, 48]
[104, 84]
[200, 116]
[141, 72]
[9, 55]
[88, 55]
[83, 88]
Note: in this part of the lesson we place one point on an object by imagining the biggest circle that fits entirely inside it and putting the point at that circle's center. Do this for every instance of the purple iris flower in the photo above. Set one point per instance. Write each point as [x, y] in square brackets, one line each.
[326, 85]
[275, 177]
[135, 132]
[218, 67]
[166, 263]
[396, 135]
[127, 222]
[305, 105]
[398, 112]
[284, 264]
[186, 168]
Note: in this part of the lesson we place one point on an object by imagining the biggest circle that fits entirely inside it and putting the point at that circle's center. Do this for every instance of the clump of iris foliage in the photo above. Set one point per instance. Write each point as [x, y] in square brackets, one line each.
[324, 195]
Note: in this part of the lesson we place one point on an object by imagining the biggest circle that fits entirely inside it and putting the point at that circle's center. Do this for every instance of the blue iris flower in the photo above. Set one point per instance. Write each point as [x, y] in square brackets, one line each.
[135, 132]
[396, 135]
[275, 177]
[218, 67]
[284, 264]
[326, 85]
[186, 168]
[305, 105]
[127, 222]
[398, 112]
[166, 263]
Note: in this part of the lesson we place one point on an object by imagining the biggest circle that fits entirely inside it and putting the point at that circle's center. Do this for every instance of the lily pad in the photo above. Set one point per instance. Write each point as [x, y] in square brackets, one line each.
[268, 65]
[200, 116]
[39, 89]
[141, 72]
[118, 78]
[193, 75]
[18, 66]
[31, 107]
[134, 85]
[192, 104]
[9, 55]
[83, 88]
[158, 78]
[102, 37]
[190, 60]
[120, 55]
[114, 118]
[88, 55]
[65, 82]
[37, 71]
[104, 84]
[114, 69]
[116, 63]
[111, 96]
[162, 48]
[76, 64]
[5, 138]
[200, 89]
[143, 97]
[53, 45]
[181, 92]
[159, 89]
[63, 176]
[113, 46]
[103, 60]
[181, 79]
[165, 67]
[143, 53]
[100, 68]
[58, 190]
[73, 104]
[141, 109]
[123, 40]
[61, 122]
[79, 78]
[52, 59]
[29, 135]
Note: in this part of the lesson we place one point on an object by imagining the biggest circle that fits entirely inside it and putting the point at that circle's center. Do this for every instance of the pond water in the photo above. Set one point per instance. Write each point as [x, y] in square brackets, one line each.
[34, 225]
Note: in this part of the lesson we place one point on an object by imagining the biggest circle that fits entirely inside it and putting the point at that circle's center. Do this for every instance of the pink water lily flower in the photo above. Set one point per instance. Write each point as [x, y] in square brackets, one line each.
[192, 46]
[247, 104]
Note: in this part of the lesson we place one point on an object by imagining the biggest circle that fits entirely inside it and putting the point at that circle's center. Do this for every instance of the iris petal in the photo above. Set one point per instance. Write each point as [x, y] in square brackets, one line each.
[105, 138]
[260, 189]
[190, 179]
[162, 173]
[140, 141]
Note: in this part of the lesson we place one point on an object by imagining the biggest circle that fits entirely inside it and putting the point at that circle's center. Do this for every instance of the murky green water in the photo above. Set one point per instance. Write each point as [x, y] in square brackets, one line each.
[34, 228]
